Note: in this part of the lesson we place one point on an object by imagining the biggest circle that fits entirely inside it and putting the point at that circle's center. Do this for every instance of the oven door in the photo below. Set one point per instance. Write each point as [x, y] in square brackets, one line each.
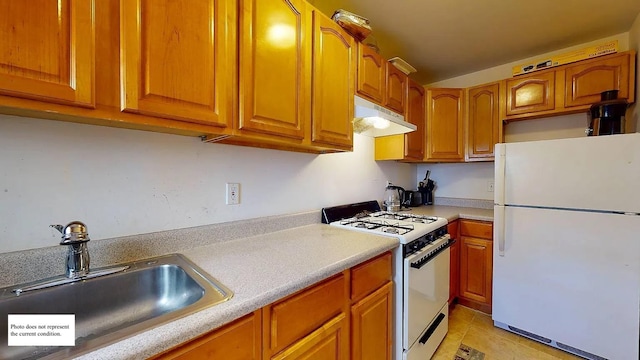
[426, 291]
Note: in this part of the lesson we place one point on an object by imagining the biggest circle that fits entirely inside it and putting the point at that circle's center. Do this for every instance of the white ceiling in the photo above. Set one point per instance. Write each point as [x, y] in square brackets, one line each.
[447, 38]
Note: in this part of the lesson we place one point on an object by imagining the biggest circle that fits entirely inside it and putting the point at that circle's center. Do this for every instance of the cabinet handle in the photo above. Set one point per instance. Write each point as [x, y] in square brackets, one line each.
[498, 228]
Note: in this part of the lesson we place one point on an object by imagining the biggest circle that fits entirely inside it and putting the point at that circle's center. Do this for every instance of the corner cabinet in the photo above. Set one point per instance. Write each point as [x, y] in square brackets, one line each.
[483, 121]
[476, 264]
[445, 115]
[333, 78]
[410, 146]
[416, 115]
[47, 51]
[178, 59]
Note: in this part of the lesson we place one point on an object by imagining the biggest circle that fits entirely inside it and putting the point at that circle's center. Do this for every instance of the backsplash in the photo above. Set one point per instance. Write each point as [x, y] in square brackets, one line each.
[124, 182]
[18, 267]
[472, 203]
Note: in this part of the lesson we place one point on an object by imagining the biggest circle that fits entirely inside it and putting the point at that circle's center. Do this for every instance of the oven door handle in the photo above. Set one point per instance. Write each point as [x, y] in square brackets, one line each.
[424, 261]
[431, 329]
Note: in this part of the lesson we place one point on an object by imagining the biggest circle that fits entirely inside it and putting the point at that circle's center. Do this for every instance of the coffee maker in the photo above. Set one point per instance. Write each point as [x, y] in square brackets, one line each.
[607, 117]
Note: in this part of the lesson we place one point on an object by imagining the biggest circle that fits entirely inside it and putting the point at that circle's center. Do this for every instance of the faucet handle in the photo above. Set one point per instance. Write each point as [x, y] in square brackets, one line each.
[58, 227]
[75, 232]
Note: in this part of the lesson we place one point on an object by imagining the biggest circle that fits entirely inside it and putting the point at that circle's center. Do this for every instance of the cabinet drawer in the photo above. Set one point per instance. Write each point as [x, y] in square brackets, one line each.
[478, 229]
[369, 276]
[296, 316]
[329, 342]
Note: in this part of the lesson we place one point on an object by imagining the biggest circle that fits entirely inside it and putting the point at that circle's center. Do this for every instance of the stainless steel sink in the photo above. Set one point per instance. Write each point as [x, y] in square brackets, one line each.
[112, 307]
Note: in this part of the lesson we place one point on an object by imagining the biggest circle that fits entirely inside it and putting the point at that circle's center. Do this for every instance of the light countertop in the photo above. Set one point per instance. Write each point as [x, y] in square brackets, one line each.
[452, 213]
[259, 270]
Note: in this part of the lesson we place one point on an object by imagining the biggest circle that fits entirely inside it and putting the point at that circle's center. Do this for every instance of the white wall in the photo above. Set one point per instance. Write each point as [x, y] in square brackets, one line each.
[461, 180]
[124, 182]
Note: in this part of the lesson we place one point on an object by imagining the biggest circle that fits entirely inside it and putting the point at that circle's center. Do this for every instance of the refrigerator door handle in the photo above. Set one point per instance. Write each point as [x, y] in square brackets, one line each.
[498, 228]
[499, 173]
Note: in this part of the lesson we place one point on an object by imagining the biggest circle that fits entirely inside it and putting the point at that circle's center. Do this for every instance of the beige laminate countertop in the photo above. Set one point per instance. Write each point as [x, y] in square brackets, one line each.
[259, 270]
[452, 213]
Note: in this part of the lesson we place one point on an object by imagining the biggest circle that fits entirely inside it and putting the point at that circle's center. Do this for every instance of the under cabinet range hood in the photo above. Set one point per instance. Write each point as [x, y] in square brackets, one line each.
[374, 120]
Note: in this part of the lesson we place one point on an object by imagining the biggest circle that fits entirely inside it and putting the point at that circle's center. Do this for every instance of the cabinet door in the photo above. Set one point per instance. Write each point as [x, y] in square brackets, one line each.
[290, 319]
[414, 141]
[531, 93]
[454, 275]
[239, 340]
[371, 326]
[476, 269]
[47, 50]
[585, 82]
[329, 342]
[445, 115]
[333, 83]
[484, 121]
[275, 67]
[396, 89]
[178, 59]
[371, 74]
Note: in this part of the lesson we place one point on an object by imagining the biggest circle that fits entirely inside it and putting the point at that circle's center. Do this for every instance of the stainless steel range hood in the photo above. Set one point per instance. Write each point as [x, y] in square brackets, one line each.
[374, 120]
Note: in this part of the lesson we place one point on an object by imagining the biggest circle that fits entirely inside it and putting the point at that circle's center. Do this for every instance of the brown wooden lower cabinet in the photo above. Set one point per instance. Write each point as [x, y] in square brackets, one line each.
[371, 326]
[476, 264]
[349, 313]
[239, 340]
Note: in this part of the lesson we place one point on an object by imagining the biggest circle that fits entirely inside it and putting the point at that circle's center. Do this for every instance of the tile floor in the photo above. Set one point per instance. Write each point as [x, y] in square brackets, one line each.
[475, 329]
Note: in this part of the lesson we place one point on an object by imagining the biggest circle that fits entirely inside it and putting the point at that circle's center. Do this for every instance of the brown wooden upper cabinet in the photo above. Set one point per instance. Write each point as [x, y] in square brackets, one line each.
[178, 59]
[445, 114]
[371, 74]
[334, 57]
[483, 121]
[585, 81]
[531, 93]
[416, 115]
[275, 63]
[47, 51]
[570, 88]
[396, 89]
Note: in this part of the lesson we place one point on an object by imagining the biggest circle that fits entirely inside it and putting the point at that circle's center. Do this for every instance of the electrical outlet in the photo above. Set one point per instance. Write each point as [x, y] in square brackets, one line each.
[233, 193]
[490, 186]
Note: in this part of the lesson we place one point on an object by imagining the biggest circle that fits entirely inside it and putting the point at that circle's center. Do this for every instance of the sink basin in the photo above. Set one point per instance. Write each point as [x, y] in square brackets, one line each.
[115, 306]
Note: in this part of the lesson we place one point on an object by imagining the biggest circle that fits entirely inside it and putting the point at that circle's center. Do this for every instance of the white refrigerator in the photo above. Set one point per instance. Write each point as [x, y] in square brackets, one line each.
[567, 243]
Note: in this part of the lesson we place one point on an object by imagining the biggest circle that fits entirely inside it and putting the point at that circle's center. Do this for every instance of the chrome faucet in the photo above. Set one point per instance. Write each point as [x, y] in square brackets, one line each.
[75, 235]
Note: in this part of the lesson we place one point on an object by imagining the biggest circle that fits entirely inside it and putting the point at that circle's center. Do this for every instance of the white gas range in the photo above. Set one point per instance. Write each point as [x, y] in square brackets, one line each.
[421, 272]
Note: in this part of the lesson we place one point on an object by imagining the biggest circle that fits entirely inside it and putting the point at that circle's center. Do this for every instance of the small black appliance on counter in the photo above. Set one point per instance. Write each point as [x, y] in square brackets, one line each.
[426, 189]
